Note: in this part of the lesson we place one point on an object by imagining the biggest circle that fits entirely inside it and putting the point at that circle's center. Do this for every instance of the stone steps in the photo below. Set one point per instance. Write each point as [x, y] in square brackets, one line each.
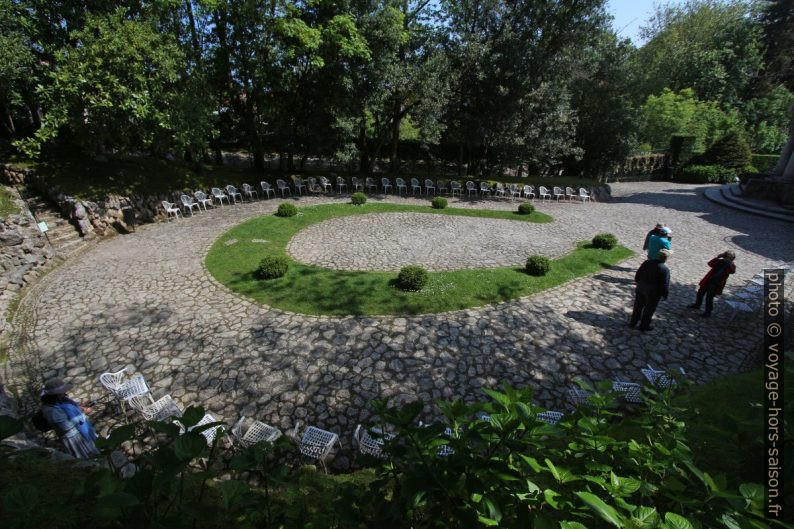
[730, 195]
[62, 234]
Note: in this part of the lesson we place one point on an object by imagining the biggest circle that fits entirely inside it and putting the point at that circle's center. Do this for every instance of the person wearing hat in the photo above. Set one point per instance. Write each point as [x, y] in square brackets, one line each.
[653, 285]
[714, 281]
[657, 230]
[658, 242]
[68, 419]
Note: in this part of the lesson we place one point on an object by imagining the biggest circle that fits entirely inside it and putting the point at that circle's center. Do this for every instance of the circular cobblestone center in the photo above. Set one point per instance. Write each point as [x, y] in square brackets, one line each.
[389, 241]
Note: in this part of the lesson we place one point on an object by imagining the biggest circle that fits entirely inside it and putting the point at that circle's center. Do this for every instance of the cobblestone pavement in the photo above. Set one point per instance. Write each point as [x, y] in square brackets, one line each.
[389, 241]
[146, 300]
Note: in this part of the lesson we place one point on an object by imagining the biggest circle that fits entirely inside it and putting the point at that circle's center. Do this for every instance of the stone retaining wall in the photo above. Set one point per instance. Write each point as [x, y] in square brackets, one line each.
[23, 250]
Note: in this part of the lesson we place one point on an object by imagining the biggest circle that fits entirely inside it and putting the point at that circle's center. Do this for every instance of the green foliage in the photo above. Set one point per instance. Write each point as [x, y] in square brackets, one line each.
[606, 241]
[537, 265]
[439, 203]
[412, 278]
[123, 89]
[730, 151]
[18, 65]
[681, 113]
[764, 162]
[271, 267]
[286, 209]
[525, 208]
[705, 174]
[358, 198]
[7, 206]
[767, 119]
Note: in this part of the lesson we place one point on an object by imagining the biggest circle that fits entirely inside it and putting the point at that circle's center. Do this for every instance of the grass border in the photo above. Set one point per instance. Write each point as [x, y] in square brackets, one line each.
[312, 290]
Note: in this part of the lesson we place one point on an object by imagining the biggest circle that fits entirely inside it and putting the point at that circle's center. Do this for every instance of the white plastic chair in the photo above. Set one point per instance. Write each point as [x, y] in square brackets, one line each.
[356, 183]
[218, 195]
[446, 450]
[739, 306]
[550, 417]
[170, 209]
[443, 186]
[202, 199]
[311, 185]
[631, 391]
[584, 196]
[160, 410]
[188, 204]
[316, 443]
[415, 186]
[283, 187]
[454, 186]
[500, 189]
[428, 186]
[578, 397]
[485, 189]
[250, 192]
[471, 189]
[124, 387]
[233, 192]
[325, 184]
[543, 193]
[659, 378]
[386, 184]
[400, 185]
[558, 193]
[370, 183]
[340, 183]
[210, 433]
[570, 193]
[370, 441]
[267, 189]
[515, 191]
[255, 432]
[529, 191]
[299, 185]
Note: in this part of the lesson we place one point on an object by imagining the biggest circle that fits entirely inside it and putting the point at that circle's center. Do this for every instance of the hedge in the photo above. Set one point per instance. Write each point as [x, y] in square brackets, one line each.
[765, 162]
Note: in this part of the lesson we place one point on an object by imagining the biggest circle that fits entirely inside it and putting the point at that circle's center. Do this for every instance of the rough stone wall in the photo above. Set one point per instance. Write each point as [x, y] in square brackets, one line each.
[23, 250]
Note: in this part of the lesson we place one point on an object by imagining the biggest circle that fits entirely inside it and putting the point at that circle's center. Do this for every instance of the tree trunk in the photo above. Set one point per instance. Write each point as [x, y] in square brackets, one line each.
[363, 165]
[394, 158]
[193, 33]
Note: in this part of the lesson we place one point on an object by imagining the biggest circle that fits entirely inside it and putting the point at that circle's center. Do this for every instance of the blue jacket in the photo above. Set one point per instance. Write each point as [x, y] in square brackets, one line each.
[655, 244]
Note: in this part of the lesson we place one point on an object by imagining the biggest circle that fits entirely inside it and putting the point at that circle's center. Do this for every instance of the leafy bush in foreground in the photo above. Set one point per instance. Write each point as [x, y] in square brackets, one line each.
[271, 267]
[358, 198]
[537, 265]
[439, 203]
[525, 208]
[600, 467]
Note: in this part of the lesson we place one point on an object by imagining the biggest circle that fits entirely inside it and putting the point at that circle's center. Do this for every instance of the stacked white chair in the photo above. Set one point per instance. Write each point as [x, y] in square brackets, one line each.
[325, 184]
[428, 186]
[584, 196]
[267, 189]
[454, 187]
[386, 184]
[500, 190]
[123, 386]
[470, 188]
[371, 185]
[219, 195]
[170, 209]
[399, 183]
[202, 199]
[250, 192]
[356, 183]
[415, 186]
[188, 204]
[631, 391]
[659, 378]
[543, 193]
[515, 191]
[570, 193]
[340, 183]
[558, 193]
[529, 192]
[283, 187]
[250, 433]
[316, 443]
[155, 410]
[485, 189]
[370, 441]
[550, 417]
[299, 185]
[233, 194]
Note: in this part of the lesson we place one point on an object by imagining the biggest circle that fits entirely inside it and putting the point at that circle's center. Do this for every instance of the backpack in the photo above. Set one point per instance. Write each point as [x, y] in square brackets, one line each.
[40, 422]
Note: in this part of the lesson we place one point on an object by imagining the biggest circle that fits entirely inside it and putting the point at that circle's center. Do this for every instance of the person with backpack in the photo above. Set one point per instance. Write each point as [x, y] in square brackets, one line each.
[714, 281]
[663, 241]
[653, 285]
[68, 419]
[656, 231]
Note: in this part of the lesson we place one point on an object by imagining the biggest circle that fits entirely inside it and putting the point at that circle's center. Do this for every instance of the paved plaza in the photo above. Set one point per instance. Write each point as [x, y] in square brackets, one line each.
[147, 301]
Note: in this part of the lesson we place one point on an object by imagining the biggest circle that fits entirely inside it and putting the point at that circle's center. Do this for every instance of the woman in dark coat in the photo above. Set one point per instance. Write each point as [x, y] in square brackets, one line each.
[714, 281]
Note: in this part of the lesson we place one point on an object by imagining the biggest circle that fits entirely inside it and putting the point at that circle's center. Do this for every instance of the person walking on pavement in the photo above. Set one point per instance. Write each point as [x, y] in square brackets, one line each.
[714, 281]
[656, 231]
[653, 285]
[658, 242]
[68, 418]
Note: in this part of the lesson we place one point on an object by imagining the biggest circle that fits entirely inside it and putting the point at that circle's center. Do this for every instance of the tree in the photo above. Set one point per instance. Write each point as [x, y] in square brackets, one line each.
[680, 112]
[767, 119]
[711, 46]
[778, 23]
[17, 70]
[121, 88]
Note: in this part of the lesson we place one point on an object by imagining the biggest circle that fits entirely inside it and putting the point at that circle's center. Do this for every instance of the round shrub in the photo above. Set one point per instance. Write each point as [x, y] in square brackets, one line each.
[537, 265]
[358, 198]
[439, 203]
[287, 210]
[731, 151]
[605, 241]
[271, 267]
[526, 208]
[412, 278]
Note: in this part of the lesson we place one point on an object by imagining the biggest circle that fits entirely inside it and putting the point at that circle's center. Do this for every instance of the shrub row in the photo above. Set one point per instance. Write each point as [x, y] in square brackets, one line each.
[706, 174]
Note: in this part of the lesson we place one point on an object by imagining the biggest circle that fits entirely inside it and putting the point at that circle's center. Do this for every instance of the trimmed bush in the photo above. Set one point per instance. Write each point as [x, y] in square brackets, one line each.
[526, 208]
[538, 265]
[731, 151]
[439, 203]
[412, 278]
[605, 241]
[706, 174]
[287, 210]
[682, 148]
[271, 267]
[764, 162]
[358, 198]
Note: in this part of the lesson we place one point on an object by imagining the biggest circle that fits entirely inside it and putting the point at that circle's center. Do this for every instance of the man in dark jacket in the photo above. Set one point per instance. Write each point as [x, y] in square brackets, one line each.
[653, 284]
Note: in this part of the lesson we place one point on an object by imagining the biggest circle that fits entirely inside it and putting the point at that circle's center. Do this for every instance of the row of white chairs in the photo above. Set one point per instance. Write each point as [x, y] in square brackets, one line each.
[629, 391]
[749, 298]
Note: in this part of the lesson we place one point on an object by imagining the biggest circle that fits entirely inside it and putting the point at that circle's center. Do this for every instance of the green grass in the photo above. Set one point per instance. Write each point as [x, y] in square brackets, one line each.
[313, 290]
[7, 206]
